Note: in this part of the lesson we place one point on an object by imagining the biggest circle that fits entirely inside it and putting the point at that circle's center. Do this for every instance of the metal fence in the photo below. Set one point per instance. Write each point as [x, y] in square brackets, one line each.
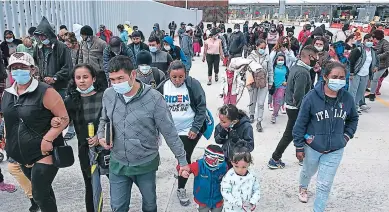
[19, 16]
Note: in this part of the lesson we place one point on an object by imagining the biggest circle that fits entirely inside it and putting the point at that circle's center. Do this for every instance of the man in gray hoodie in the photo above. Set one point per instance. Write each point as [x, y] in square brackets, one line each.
[187, 46]
[137, 114]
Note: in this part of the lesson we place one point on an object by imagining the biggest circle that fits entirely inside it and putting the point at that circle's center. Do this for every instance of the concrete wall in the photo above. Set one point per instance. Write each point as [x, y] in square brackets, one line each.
[21, 15]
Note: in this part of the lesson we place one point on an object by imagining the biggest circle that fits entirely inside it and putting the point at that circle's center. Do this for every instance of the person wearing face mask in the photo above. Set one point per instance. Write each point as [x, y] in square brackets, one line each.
[304, 34]
[28, 107]
[114, 48]
[294, 43]
[92, 52]
[27, 46]
[136, 29]
[213, 52]
[187, 46]
[272, 37]
[145, 73]
[281, 72]
[160, 59]
[52, 57]
[262, 72]
[188, 113]
[363, 63]
[139, 112]
[297, 86]
[236, 43]
[104, 34]
[328, 106]
[175, 51]
[9, 45]
[157, 32]
[319, 44]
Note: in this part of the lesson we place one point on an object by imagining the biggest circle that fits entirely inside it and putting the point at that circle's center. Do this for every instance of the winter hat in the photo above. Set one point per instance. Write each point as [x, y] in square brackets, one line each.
[318, 31]
[290, 30]
[213, 156]
[115, 44]
[86, 30]
[143, 57]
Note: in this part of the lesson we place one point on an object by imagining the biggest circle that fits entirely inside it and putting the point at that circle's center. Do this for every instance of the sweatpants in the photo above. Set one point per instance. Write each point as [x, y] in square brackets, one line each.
[213, 62]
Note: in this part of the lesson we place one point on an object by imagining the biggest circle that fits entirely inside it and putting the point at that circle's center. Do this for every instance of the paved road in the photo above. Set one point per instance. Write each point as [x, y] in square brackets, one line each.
[361, 183]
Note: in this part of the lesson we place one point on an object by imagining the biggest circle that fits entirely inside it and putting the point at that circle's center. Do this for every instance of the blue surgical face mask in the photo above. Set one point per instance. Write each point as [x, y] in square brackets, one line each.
[369, 44]
[336, 84]
[88, 90]
[122, 88]
[21, 76]
[153, 49]
[261, 51]
[10, 40]
[280, 63]
[46, 41]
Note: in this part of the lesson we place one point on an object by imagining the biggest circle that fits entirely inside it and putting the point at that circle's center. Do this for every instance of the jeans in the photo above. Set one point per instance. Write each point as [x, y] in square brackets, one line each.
[188, 66]
[213, 62]
[42, 176]
[278, 99]
[172, 33]
[121, 186]
[374, 82]
[257, 100]
[189, 146]
[357, 88]
[287, 137]
[206, 209]
[326, 165]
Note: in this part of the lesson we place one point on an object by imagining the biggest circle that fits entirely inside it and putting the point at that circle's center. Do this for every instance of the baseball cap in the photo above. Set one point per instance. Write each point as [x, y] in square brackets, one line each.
[21, 58]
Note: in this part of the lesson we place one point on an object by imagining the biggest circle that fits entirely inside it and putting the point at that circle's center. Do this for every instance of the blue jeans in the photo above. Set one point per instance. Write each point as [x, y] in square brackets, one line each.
[121, 187]
[357, 88]
[327, 164]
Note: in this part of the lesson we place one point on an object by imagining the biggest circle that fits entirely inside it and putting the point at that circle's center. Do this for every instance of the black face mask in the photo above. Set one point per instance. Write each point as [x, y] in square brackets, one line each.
[313, 62]
[290, 34]
[286, 44]
[308, 28]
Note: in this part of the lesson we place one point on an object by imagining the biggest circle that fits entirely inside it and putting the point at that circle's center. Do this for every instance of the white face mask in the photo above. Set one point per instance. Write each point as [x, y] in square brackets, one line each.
[167, 48]
[144, 69]
[236, 30]
[319, 48]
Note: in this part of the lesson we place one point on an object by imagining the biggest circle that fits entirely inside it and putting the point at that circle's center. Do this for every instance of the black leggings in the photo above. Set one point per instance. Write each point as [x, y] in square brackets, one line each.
[213, 62]
[189, 146]
[1, 177]
[41, 177]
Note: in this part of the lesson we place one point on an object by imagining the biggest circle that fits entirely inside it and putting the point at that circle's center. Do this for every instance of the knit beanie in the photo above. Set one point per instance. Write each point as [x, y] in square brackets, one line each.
[213, 156]
[143, 57]
[86, 30]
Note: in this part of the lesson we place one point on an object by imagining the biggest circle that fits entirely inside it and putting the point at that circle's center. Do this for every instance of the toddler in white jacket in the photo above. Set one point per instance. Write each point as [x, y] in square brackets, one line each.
[240, 187]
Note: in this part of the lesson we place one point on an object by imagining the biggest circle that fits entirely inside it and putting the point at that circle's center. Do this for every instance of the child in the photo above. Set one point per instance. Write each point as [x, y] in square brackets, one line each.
[208, 173]
[234, 128]
[232, 82]
[240, 187]
[280, 77]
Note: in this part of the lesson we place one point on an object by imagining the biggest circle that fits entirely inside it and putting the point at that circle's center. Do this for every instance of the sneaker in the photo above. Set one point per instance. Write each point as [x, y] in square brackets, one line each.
[216, 78]
[359, 111]
[7, 187]
[364, 108]
[301, 162]
[259, 127]
[275, 164]
[273, 119]
[209, 82]
[270, 107]
[181, 194]
[372, 97]
[303, 195]
[283, 111]
[252, 119]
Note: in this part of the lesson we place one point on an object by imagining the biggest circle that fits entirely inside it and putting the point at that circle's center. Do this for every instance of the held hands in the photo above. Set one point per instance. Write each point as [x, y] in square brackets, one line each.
[300, 156]
[192, 135]
[185, 174]
[182, 171]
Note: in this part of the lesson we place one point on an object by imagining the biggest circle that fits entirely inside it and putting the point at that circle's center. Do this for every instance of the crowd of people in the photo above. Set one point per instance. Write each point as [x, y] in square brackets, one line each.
[119, 95]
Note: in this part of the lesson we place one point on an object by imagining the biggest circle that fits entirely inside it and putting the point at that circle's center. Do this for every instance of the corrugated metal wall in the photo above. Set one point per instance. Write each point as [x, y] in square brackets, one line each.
[21, 15]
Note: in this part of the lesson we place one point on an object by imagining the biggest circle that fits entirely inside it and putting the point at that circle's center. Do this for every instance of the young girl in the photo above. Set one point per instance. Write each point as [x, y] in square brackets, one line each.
[280, 77]
[234, 126]
[231, 82]
[208, 173]
[240, 187]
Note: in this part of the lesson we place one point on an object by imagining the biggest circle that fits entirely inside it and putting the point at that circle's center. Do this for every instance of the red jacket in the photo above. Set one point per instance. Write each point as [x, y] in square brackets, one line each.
[303, 36]
[107, 33]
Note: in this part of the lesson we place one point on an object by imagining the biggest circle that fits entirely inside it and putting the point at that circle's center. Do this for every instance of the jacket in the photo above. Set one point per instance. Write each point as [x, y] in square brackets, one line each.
[93, 55]
[4, 48]
[224, 45]
[240, 191]
[289, 55]
[303, 36]
[236, 66]
[27, 122]
[57, 62]
[275, 64]
[206, 185]
[23, 48]
[265, 62]
[161, 60]
[105, 35]
[142, 46]
[242, 131]
[172, 26]
[108, 55]
[272, 38]
[124, 36]
[294, 45]
[298, 84]
[236, 43]
[158, 33]
[187, 45]
[175, 51]
[331, 126]
[382, 50]
[197, 102]
[137, 125]
[358, 58]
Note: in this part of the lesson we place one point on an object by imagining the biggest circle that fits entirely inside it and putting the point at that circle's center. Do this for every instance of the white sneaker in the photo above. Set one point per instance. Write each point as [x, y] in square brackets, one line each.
[270, 106]
[283, 111]
[303, 195]
[365, 108]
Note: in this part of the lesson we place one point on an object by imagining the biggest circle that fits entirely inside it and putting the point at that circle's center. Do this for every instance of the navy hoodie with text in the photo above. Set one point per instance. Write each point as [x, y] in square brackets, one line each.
[331, 125]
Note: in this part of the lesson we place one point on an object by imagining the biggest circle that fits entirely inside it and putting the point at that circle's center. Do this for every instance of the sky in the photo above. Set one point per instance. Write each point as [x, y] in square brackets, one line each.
[307, 1]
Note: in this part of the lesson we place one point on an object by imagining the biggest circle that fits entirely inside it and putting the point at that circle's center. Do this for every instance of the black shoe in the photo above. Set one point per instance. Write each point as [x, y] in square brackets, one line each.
[259, 127]
[251, 118]
[372, 97]
[367, 90]
[216, 78]
[34, 207]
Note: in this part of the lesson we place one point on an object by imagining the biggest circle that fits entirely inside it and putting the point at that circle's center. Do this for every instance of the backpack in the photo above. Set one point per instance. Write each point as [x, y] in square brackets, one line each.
[259, 79]
[156, 77]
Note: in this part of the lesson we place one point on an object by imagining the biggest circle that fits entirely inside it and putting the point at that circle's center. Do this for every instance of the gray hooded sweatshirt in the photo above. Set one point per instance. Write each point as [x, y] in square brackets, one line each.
[136, 127]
